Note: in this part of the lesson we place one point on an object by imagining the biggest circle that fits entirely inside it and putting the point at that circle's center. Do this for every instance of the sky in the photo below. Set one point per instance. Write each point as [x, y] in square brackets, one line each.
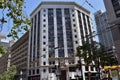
[32, 4]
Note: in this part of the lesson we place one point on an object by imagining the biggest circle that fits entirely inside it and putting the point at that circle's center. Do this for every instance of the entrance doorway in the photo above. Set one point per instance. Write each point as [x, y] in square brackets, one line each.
[63, 75]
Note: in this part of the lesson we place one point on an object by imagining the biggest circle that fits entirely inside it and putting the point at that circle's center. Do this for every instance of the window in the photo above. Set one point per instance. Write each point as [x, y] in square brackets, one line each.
[44, 15]
[44, 31]
[86, 68]
[92, 68]
[73, 15]
[44, 20]
[44, 70]
[73, 19]
[29, 72]
[44, 25]
[44, 37]
[75, 36]
[44, 63]
[44, 49]
[74, 30]
[49, 63]
[44, 56]
[44, 10]
[74, 25]
[76, 42]
[53, 62]
[37, 71]
[33, 71]
[72, 10]
[44, 43]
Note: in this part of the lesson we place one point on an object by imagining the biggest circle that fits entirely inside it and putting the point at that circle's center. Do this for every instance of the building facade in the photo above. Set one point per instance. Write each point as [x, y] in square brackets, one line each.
[113, 12]
[104, 33]
[58, 29]
[19, 56]
[4, 63]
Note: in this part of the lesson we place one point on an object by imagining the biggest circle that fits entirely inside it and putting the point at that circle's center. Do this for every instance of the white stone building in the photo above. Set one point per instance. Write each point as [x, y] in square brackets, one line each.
[58, 29]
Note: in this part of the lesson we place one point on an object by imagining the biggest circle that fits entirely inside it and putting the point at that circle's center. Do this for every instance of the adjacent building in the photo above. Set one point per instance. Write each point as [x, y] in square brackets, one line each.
[4, 59]
[104, 33]
[19, 56]
[113, 12]
[58, 29]
[4, 63]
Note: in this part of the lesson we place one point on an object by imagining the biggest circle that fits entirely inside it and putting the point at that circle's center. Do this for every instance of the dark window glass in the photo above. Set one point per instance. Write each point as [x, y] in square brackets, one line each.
[44, 43]
[74, 30]
[61, 52]
[44, 49]
[38, 35]
[44, 70]
[33, 71]
[73, 19]
[44, 20]
[73, 15]
[68, 30]
[72, 69]
[76, 42]
[44, 10]
[44, 25]
[89, 28]
[51, 32]
[34, 42]
[116, 7]
[44, 15]
[60, 32]
[44, 37]
[85, 25]
[44, 31]
[81, 27]
[44, 63]
[86, 68]
[37, 71]
[29, 72]
[92, 68]
[75, 36]
[44, 56]
[31, 48]
[74, 25]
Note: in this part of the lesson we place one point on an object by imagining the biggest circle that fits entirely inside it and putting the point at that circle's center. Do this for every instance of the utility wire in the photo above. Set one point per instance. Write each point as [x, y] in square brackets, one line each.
[90, 5]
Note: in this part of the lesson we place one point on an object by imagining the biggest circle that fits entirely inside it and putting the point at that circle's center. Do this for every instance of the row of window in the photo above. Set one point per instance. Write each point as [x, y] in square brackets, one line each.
[71, 69]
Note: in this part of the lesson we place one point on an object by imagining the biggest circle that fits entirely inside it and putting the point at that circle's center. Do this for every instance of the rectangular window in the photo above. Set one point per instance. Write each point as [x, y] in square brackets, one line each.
[68, 29]
[51, 32]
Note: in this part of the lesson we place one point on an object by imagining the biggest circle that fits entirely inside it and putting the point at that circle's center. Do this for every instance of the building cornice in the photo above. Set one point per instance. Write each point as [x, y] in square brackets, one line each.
[59, 3]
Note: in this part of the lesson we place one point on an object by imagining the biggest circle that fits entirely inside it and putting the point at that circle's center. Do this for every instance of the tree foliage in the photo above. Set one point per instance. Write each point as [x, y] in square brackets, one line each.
[2, 50]
[9, 74]
[13, 9]
[95, 52]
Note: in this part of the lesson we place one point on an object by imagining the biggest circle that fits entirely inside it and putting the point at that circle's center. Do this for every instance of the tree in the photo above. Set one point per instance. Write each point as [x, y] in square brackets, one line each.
[13, 9]
[95, 52]
[9, 74]
[2, 50]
